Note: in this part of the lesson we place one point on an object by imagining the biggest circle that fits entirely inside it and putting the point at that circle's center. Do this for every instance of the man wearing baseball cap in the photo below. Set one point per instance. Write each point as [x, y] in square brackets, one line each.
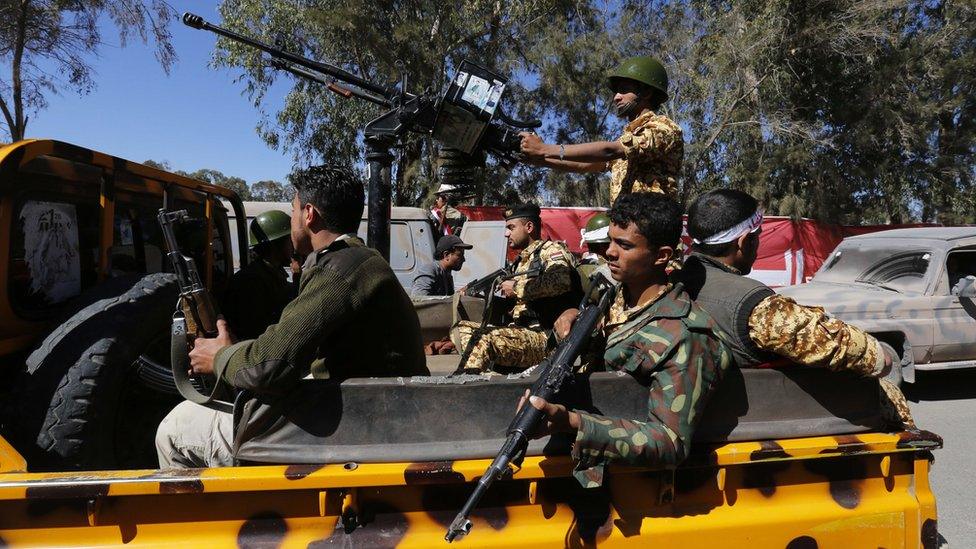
[436, 278]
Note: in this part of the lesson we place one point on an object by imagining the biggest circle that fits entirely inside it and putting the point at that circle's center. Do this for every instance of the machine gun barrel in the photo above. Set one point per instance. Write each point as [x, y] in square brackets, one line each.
[197, 22]
[330, 83]
[557, 370]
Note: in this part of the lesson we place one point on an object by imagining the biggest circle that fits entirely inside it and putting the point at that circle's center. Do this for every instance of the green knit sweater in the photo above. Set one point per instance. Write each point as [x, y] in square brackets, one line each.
[351, 319]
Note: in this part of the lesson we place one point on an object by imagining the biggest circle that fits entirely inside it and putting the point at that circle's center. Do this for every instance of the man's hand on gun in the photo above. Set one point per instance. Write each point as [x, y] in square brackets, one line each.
[205, 348]
[507, 288]
[564, 323]
[558, 418]
[533, 148]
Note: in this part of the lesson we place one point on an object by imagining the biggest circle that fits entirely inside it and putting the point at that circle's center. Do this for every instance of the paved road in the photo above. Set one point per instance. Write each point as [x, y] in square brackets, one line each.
[945, 403]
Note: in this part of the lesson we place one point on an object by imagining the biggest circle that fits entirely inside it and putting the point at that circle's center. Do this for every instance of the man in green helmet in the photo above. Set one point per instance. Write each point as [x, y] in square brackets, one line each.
[646, 157]
[259, 292]
[596, 237]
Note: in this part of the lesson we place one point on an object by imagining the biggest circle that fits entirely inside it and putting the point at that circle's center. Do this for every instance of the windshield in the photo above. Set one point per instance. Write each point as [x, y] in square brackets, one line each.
[885, 266]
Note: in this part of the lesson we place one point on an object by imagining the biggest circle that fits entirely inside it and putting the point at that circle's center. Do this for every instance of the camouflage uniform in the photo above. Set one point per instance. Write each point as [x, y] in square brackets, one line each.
[653, 147]
[669, 345]
[523, 342]
[807, 336]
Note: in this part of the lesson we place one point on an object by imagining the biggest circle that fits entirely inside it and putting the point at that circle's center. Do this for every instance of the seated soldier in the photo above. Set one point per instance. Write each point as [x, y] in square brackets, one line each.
[657, 335]
[351, 318]
[763, 326]
[538, 299]
[259, 292]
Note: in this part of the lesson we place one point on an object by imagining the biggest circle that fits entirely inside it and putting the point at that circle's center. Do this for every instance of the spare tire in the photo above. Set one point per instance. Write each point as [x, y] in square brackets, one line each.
[81, 405]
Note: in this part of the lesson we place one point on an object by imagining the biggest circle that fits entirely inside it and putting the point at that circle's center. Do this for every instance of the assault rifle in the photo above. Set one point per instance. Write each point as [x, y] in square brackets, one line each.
[487, 286]
[195, 316]
[557, 371]
[468, 116]
[480, 287]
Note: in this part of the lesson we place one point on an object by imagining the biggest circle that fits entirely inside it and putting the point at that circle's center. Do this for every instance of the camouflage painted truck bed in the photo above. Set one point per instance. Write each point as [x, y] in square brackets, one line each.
[827, 476]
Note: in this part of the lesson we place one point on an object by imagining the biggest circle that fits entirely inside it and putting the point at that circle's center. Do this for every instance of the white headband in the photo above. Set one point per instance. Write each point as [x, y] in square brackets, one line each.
[597, 234]
[750, 225]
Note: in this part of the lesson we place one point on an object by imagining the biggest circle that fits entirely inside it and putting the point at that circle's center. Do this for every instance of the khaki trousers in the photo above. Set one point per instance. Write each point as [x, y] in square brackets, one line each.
[192, 435]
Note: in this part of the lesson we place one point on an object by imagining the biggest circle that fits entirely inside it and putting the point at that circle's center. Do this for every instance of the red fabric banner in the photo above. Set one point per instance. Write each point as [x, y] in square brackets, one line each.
[790, 251]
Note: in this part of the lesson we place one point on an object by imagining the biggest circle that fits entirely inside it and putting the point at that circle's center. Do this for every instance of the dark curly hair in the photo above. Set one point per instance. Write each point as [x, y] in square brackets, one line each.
[336, 193]
[658, 218]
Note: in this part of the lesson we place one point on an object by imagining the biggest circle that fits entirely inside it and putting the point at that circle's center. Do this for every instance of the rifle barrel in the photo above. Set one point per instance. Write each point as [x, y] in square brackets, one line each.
[197, 22]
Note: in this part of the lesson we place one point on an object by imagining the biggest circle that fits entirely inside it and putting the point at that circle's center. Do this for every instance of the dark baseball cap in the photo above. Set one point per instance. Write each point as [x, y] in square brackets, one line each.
[448, 243]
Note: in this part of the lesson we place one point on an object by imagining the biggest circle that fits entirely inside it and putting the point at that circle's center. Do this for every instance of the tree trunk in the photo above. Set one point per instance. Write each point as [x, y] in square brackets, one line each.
[20, 125]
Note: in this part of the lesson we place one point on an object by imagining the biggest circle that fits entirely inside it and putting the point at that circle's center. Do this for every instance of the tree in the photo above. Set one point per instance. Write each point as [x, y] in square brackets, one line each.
[843, 110]
[48, 44]
[215, 177]
[272, 191]
[158, 164]
[369, 38]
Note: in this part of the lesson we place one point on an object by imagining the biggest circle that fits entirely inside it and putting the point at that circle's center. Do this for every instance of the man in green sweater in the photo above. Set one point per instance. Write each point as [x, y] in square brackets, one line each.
[351, 319]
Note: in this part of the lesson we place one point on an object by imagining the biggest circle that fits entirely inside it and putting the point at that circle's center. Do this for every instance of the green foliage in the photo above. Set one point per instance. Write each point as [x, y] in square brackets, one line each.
[272, 191]
[267, 190]
[38, 35]
[843, 110]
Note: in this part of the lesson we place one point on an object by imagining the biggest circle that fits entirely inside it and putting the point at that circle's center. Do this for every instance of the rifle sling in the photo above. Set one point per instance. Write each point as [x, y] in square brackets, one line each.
[180, 363]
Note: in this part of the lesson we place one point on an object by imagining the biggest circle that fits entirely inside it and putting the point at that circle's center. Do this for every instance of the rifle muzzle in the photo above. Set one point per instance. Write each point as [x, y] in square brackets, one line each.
[193, 20]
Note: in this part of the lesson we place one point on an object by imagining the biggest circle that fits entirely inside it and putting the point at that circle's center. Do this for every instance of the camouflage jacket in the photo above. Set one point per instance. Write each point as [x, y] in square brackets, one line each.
[806, 335]
[558, 278]
[653, 148]
[670, 346]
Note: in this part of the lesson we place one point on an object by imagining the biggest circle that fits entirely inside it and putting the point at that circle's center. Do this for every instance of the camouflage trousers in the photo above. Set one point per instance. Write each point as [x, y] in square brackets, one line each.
[894, 406]
[506, 346]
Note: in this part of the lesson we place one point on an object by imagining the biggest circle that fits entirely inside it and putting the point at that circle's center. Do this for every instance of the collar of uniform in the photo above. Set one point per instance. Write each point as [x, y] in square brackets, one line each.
[348, 240]
[531, 248]
[640, 121]
[715, 263]
[671, 302]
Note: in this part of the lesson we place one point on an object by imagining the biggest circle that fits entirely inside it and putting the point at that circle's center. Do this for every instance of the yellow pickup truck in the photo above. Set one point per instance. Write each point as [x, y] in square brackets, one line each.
[795, 458]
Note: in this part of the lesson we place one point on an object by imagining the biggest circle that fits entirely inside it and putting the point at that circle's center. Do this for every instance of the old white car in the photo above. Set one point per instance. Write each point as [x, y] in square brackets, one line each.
[913, 288]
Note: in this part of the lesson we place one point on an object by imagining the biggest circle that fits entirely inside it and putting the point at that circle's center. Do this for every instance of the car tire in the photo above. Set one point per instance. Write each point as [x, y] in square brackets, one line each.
[80, 403]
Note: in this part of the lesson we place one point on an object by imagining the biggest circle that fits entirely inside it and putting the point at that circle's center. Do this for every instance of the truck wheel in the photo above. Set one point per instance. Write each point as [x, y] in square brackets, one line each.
[81, 404]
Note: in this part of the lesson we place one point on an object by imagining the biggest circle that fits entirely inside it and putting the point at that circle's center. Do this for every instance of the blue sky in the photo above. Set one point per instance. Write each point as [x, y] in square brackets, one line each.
[194, 118]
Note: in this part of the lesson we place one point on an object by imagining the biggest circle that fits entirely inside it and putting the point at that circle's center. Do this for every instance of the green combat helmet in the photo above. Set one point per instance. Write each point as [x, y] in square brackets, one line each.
[597, 230]
[268, 227]
[646, 70]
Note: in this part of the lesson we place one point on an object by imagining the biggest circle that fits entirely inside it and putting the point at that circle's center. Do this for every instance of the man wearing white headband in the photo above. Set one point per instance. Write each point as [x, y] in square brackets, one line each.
[765, 327]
